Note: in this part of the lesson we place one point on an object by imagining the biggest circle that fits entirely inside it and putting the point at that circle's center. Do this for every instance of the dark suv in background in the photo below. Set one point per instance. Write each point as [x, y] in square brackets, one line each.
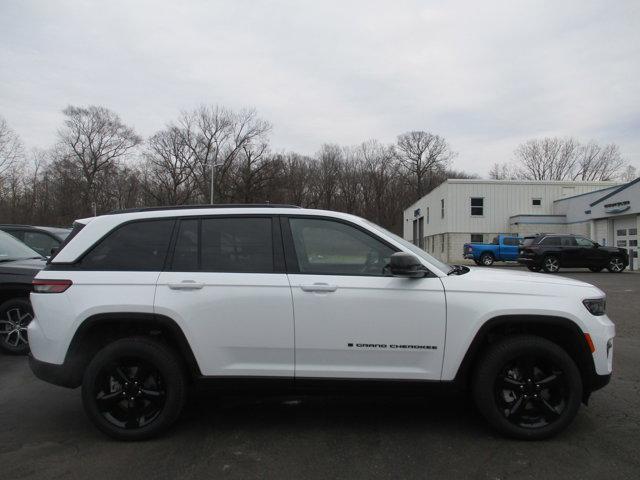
[549, 252]
[41, 239]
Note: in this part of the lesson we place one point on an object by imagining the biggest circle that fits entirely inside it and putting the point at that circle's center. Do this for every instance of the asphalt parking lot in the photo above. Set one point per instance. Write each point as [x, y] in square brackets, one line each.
[44, 433]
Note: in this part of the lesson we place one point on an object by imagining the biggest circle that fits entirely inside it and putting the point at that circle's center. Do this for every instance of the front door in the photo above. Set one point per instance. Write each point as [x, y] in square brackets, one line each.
[353, 320]
[227, 289]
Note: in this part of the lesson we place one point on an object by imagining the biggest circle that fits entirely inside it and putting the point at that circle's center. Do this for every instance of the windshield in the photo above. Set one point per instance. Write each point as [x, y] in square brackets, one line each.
[417, 250]
[12, 249]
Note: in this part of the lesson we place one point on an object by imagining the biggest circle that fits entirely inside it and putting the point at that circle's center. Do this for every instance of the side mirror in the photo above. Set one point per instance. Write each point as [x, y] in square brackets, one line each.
[403, 264]
[596, 244]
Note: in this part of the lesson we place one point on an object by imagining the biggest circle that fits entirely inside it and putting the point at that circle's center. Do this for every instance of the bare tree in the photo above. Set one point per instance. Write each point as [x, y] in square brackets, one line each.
[168, 168]
[423, 154]
[554, 158]
[502, 171]
[94, 138]
[11, 149]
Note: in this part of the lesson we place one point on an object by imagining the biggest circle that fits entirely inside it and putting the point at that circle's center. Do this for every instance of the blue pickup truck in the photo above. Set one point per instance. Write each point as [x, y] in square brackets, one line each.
[503, 248]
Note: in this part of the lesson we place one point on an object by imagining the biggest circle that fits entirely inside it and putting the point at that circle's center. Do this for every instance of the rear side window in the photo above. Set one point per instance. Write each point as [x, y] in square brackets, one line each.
[134, 246]
[551, 241]
[237, 245]
[226, 244]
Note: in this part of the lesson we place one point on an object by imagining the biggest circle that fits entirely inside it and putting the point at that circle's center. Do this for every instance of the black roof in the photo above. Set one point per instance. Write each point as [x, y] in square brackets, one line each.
[215, 205]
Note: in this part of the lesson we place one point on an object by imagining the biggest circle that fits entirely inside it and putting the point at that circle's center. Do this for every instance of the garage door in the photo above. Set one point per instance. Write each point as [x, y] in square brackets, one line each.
[626, 233]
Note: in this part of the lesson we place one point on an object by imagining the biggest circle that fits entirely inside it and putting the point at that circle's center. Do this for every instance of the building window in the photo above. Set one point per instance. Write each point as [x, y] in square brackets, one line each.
[442, 208]
[622, 233]
[633, 231]
[536, 202]
[427, 215]
[622, 243]
[633, 243]
[477, 206]
[477, 238]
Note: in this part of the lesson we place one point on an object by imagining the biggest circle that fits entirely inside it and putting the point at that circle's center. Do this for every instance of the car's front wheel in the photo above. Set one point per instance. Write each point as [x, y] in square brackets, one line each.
[134, 388]
[15, 316]
[615, 265]
[527, 387]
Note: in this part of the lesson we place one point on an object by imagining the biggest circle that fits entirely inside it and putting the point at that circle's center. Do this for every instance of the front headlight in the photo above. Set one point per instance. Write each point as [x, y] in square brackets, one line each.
[596, 306]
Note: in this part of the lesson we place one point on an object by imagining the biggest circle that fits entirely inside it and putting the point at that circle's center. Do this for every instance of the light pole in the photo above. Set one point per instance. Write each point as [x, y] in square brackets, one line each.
[213, 175]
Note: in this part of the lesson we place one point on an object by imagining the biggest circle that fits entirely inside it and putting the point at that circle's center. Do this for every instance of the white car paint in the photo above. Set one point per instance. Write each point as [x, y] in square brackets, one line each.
[280, 325]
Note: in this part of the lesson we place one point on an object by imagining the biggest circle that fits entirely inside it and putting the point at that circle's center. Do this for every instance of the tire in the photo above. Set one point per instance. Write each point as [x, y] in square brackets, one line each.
[596, 269]
[15, 316]
[486, 259]
[556, 386]
[616, 264]
[533, 268]
[551, 264]
[134, 388]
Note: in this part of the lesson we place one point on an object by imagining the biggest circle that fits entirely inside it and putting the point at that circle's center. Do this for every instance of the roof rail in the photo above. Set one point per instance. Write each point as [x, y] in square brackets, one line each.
[215, 205]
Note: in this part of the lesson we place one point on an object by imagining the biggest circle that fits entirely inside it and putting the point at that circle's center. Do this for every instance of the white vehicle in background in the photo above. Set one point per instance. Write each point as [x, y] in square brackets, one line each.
[139, 304]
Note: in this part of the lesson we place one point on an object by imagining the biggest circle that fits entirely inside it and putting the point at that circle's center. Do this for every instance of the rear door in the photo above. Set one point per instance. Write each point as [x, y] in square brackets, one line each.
[226, 287]
[572, 254]
[353, 320]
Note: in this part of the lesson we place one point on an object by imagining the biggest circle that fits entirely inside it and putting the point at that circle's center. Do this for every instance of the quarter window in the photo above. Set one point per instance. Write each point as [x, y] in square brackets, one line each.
[132, 247]
[477, 206]
[334, 248]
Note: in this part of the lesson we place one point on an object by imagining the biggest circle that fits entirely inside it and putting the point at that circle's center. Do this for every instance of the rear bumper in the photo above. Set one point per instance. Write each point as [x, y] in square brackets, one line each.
[61, 375]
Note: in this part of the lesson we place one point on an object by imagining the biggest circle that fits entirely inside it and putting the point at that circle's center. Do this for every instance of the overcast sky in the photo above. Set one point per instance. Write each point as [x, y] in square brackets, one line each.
[486, 75]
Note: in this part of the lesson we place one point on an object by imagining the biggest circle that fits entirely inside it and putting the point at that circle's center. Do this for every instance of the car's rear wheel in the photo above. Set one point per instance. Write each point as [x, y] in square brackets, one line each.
[616, 265]
[527, 387]
[533, 268]
[15, 316]
[487, 259]
[596, 269]
[134, 388]
[551, 264]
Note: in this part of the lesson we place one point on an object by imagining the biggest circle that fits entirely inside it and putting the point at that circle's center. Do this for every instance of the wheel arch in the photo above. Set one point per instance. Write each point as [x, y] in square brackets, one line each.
[560, 330]
[100, 329]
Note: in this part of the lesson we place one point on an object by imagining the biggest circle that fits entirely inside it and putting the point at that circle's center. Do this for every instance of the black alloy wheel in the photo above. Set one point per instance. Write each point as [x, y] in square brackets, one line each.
[616, 265]
[531, 392]
[527, 387]
[134, 388]
[15, 316]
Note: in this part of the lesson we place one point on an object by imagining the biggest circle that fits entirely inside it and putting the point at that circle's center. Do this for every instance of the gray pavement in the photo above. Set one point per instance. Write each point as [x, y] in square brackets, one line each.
[44, 433]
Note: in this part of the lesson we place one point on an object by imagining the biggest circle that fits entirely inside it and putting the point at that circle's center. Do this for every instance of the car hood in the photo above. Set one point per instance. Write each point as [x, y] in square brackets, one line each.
[29, 266]
[508, 281]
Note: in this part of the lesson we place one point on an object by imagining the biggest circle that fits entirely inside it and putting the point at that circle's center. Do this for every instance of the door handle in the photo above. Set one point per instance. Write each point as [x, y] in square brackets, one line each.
[185, 285]
[319, 287]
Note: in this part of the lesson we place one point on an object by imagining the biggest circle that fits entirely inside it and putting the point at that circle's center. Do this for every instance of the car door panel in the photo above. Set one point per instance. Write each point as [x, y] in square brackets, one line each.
[365, 325]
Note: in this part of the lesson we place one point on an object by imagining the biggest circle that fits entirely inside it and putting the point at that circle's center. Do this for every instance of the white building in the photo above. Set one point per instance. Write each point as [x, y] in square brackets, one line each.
[462, 211]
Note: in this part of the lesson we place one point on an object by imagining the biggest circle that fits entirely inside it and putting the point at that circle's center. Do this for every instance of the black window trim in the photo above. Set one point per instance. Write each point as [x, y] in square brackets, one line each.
[291, 258]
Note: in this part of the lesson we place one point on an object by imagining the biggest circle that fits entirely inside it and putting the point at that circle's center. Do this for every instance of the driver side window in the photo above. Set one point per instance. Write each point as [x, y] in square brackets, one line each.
[327, 247]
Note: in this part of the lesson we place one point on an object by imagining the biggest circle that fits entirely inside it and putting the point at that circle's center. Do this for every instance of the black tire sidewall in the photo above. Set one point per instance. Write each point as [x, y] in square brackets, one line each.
[22, 303]
[492, 363]
[167, 363]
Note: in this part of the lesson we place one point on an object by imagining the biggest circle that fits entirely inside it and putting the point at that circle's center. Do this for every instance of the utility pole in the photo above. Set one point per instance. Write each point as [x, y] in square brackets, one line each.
[213, 176]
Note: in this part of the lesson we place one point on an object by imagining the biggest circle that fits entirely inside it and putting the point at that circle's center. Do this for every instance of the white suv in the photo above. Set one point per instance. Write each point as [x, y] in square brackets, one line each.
[138, 305]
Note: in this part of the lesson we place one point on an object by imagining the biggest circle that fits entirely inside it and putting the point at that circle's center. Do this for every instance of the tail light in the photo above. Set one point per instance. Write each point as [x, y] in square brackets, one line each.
[50, 286]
